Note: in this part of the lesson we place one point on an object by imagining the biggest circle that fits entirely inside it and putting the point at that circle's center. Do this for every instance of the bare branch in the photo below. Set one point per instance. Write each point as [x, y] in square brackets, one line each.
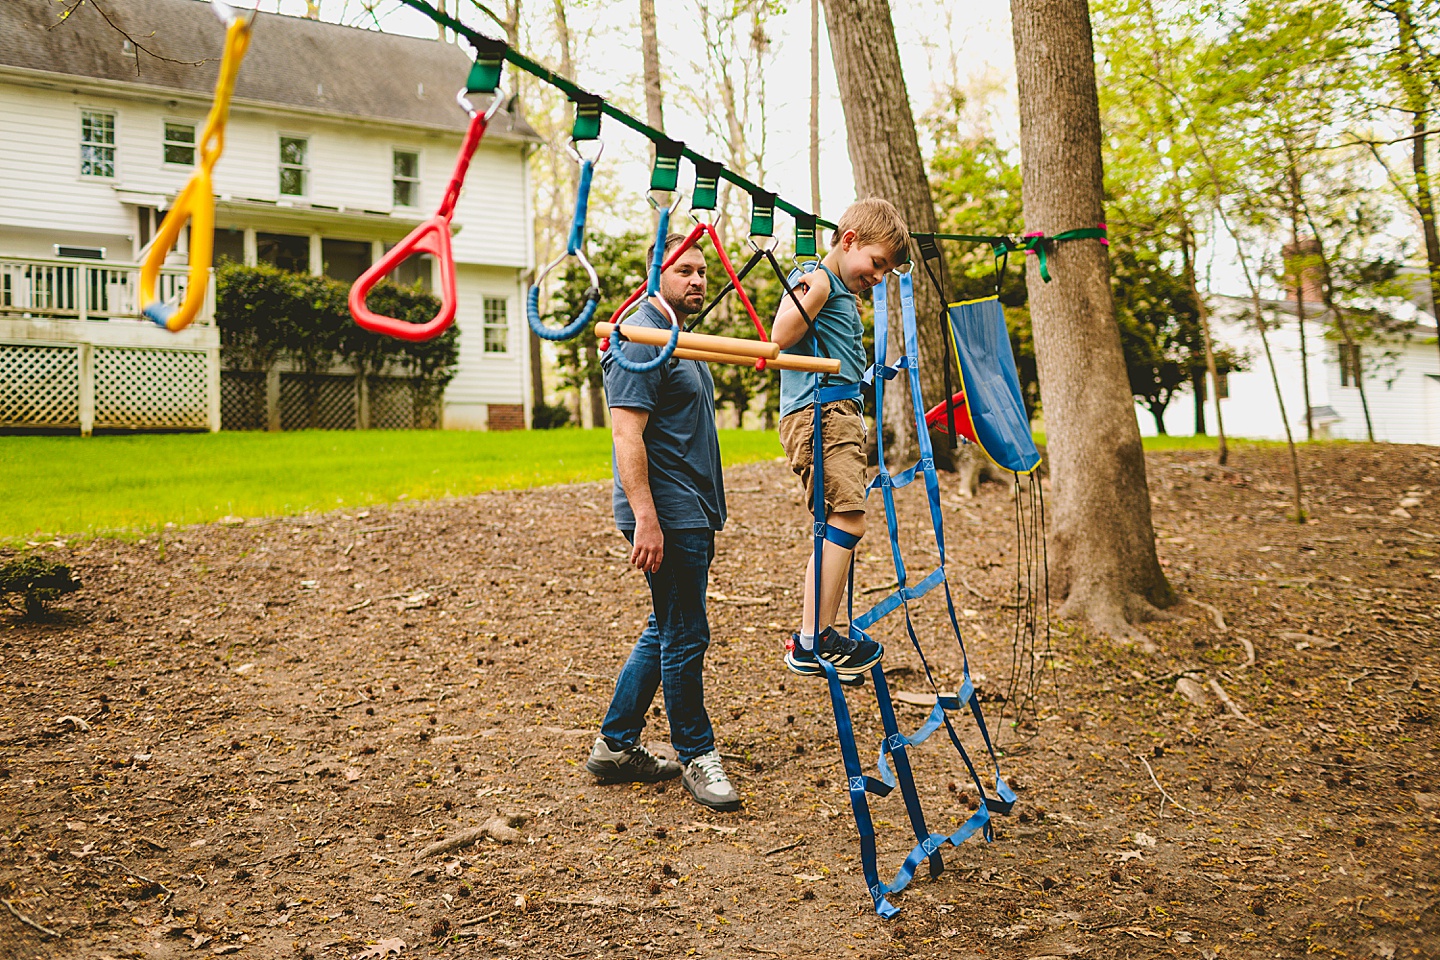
[74, 5]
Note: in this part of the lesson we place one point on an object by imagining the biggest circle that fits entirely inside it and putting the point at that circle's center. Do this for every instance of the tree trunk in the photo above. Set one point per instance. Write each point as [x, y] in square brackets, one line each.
[1103, 557]
[1417, 102]
[1328, 290]
[815, 106]
[1157, 411]
[650, 53]
[1187, 248]
[1279, 399]
[885, 155]
[1197, 389]
[1298, 271]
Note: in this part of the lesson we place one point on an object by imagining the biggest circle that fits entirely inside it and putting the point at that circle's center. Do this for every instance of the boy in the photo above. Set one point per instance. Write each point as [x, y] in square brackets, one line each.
[869, 241]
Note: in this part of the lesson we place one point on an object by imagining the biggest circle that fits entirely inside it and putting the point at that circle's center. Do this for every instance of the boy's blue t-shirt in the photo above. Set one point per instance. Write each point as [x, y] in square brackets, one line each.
[838, 326]
[680, 440]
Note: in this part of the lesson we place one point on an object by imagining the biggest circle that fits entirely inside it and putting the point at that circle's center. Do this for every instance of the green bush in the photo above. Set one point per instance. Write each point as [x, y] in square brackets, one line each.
[36, 582]
[266, 314]
[548, 416]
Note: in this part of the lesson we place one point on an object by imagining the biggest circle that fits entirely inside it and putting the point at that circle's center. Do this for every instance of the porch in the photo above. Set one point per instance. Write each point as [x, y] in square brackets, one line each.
[75, 353]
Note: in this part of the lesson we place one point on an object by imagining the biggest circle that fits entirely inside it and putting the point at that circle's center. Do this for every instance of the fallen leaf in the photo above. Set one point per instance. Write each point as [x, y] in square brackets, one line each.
[383, 948]
[353, 773]
[808, 877]
[1143, 839]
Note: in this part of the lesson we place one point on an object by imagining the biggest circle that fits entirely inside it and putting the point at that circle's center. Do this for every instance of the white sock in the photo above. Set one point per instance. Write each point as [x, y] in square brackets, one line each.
[807, 641]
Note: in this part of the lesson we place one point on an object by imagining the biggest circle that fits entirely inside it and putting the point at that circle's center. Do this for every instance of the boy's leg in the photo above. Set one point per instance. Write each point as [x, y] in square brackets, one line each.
[835, 573]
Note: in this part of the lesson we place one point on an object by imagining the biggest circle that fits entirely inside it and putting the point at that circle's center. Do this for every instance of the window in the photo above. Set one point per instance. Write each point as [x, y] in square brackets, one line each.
[180, 144]
[345, 259]
[1222, 385]
[286, 251]
[97, 143]
[407, 179]
[1349, 364]
[293, 172]
[497, 325]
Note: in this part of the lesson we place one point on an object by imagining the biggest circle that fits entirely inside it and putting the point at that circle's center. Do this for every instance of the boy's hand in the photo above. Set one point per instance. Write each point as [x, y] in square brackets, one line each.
[817, 280]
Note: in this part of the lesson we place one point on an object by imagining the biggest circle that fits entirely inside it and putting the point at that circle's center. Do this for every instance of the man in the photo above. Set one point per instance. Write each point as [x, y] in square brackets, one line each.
[669, 500]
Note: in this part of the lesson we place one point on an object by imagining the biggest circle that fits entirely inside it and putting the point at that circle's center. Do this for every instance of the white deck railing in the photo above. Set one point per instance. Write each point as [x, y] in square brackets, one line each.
[64, 288]
[76, 354]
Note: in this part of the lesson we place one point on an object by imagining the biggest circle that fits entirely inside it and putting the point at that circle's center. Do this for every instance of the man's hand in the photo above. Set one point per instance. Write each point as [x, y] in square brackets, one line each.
[649, 547]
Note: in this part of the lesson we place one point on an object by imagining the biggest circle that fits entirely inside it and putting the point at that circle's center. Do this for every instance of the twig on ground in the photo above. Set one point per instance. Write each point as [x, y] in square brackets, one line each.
[966, 584]
[886, 586]
[27, 921]
[1351, 681]
[359, 606]
[765, 950]
[788, 846]
[486, 918]
[1165, 796]
[1249, 652]
[1214, 612]
[1230, 704]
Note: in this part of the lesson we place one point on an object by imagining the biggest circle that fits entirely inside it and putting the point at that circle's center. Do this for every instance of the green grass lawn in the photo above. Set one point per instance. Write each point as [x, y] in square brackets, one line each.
[109, 484]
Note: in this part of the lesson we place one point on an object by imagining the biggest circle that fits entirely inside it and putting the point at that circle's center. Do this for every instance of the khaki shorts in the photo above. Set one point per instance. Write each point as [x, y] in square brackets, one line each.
[843, 443]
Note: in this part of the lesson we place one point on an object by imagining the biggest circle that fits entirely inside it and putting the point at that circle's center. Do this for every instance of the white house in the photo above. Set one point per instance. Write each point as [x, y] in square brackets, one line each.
[340, 141]
[1402, 378]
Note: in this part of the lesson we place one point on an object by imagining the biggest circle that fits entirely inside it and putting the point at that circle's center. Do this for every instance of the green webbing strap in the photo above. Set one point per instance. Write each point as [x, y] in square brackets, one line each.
[490, 56]
[666, 175]
[587, 117]
[1036, 243]
[805, 235]
[762, 213]
[707, 185]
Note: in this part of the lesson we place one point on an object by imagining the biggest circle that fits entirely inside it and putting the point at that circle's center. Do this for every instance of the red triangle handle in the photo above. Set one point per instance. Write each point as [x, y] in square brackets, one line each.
[432, 237]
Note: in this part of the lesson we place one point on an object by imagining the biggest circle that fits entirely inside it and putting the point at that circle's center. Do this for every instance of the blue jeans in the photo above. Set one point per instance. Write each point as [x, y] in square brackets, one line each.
[670, 653]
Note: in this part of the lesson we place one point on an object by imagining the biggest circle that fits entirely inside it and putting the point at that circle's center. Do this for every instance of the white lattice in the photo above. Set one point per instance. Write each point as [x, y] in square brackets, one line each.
[150, 389]
[39, 386]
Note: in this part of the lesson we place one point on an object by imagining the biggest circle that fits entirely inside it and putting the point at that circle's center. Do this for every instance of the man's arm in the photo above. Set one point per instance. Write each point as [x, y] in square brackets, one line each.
[813, 289]
[627, 426]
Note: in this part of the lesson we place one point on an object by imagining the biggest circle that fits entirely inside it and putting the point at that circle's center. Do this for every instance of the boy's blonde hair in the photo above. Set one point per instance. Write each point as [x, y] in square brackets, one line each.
[876, 221]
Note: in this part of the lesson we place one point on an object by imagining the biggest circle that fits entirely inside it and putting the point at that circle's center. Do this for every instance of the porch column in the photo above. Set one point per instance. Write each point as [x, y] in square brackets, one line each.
[317, 256]
[87, 389]
[252, 247]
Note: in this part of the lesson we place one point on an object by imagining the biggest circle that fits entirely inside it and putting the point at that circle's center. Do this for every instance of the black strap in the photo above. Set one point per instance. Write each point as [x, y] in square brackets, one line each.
[930, 250]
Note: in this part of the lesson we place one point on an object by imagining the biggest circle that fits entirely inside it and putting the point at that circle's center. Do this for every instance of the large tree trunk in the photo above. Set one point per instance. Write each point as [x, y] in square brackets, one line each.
[1103, 558]
[885, 156]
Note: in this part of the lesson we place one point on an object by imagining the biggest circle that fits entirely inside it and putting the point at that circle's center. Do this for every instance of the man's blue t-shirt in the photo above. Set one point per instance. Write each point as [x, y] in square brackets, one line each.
[837, 323]
[680, 440]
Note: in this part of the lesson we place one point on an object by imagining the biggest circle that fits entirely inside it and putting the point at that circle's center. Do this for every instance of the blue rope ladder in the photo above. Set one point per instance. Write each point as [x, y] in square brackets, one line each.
[895, 745]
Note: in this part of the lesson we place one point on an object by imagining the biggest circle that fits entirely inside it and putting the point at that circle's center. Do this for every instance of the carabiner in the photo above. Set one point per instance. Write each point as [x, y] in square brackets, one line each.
[196, 200]
[574, 247]
[432, 237]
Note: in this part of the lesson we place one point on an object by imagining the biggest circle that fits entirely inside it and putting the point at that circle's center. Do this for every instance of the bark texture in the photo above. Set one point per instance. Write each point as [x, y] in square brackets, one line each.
[885, 156]
[1102, 550]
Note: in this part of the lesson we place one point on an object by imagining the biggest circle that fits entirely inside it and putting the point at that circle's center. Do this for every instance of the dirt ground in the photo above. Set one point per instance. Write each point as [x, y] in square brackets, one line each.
[241, 739]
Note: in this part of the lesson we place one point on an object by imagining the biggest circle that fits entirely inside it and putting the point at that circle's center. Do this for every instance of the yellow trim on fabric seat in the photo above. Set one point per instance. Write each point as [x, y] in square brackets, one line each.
[966, 303]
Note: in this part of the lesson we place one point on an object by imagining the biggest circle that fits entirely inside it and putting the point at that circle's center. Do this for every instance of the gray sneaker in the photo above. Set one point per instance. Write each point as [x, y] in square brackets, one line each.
[707, 783]
[634, 764]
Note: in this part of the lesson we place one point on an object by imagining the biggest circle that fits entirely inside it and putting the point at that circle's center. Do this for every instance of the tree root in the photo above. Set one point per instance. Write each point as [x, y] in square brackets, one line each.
[1115, 614]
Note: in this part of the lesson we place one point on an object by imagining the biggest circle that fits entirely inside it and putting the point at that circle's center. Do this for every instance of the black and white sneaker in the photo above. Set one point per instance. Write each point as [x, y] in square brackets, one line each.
[634, 764]
[850, 658]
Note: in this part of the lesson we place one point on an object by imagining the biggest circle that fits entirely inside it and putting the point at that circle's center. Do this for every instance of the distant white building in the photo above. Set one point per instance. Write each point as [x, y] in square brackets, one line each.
[1402, 378]
[340, 141]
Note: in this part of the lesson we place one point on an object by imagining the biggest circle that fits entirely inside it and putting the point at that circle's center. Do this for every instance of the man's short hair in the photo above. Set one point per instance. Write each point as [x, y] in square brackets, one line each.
[876, 221]
[671, 242]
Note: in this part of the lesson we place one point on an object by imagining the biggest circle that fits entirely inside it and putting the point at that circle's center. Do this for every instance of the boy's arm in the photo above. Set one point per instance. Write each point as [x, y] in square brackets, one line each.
[789, 327]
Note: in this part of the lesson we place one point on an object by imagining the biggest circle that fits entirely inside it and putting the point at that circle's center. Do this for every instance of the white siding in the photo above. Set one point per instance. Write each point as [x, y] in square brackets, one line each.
[487, 377]
[44, 200]
[1404, 403]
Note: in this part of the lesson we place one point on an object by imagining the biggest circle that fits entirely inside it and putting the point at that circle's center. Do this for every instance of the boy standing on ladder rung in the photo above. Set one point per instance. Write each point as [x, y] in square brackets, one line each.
[869, 241]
